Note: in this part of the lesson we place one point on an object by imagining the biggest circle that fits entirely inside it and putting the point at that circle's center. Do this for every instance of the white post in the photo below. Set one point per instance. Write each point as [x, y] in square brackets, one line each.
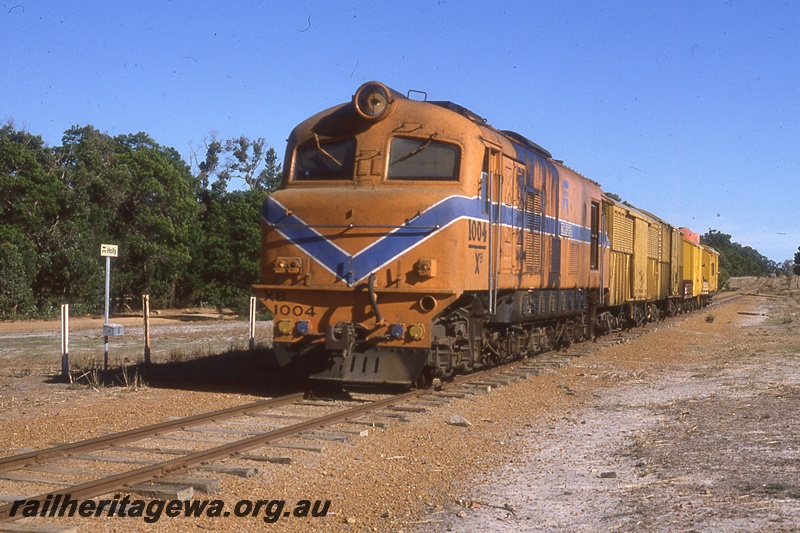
[146, 315]
[105, 337]
[108, 251]
[252, 322]
[64, 339]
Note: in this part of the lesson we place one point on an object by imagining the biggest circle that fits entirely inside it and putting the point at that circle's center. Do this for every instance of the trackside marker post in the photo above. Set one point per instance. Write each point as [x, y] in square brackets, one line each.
[252, 322]
[64, 339]
[146, 316]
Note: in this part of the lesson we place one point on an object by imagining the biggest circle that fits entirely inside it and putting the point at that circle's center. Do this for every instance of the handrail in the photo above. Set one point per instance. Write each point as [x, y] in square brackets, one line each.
[349, 226]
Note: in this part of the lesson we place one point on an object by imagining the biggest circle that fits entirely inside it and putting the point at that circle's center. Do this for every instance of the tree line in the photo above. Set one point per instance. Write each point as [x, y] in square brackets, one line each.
[184, 237]
[736, 260]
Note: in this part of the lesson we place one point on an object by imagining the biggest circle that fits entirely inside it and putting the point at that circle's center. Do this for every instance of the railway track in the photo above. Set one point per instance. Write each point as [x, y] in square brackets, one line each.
[250, 422]
[26, 469]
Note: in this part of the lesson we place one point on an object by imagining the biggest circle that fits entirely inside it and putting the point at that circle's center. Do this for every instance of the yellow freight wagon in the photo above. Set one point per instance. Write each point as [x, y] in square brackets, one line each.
[638, 260]
[665, 259]
[692, 268]
[710, 271]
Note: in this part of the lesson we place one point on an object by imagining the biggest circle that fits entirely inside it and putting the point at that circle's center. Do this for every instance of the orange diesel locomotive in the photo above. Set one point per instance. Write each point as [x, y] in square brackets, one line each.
[411, 241]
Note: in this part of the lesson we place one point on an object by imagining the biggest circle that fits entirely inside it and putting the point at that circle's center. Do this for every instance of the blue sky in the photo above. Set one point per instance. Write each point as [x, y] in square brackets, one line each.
[690, 110]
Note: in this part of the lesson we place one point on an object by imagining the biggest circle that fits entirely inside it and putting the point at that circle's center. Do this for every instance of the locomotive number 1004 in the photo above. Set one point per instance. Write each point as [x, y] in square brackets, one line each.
[477, 231]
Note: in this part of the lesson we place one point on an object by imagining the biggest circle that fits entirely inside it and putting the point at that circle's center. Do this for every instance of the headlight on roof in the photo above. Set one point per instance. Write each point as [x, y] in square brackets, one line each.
[372, 100]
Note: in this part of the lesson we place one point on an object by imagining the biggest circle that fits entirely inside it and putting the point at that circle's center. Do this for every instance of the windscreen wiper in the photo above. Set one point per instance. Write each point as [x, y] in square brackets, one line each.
[326, 154]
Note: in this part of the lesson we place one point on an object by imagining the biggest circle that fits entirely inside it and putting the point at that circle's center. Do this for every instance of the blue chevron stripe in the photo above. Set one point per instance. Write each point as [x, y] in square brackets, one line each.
[354, 268]
[303, 236]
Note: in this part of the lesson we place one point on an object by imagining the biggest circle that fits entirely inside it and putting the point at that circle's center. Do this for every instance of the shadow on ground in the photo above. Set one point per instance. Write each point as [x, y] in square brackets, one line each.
[233, 372]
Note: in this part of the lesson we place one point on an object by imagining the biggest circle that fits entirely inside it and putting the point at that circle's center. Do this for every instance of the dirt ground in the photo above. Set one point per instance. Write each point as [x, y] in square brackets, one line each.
[693, 427]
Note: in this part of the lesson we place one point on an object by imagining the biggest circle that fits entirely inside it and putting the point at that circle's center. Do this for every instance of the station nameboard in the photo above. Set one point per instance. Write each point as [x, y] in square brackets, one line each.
[109, 250]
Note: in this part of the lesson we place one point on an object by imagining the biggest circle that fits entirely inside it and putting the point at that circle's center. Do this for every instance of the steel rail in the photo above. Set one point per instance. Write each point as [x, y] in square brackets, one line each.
[15, 462]
[116, 482]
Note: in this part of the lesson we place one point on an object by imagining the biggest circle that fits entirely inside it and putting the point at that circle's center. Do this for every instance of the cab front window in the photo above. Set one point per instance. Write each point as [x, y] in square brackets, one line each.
[331, 160]
[423, 159]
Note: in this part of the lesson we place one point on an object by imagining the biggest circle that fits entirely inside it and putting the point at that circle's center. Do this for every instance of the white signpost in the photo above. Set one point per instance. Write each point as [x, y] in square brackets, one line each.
[65, 340]
[109, 330]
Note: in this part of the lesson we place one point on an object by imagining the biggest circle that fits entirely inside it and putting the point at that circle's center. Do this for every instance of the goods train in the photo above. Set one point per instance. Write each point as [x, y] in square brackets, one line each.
[410, 241]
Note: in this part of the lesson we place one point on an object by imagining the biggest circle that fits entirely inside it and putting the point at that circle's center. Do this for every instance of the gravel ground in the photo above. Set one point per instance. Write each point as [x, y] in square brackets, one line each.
[692, 427]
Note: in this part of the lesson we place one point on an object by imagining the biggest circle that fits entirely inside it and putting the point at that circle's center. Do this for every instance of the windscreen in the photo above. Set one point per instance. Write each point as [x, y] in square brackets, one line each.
[331, 160]
[423, 159]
